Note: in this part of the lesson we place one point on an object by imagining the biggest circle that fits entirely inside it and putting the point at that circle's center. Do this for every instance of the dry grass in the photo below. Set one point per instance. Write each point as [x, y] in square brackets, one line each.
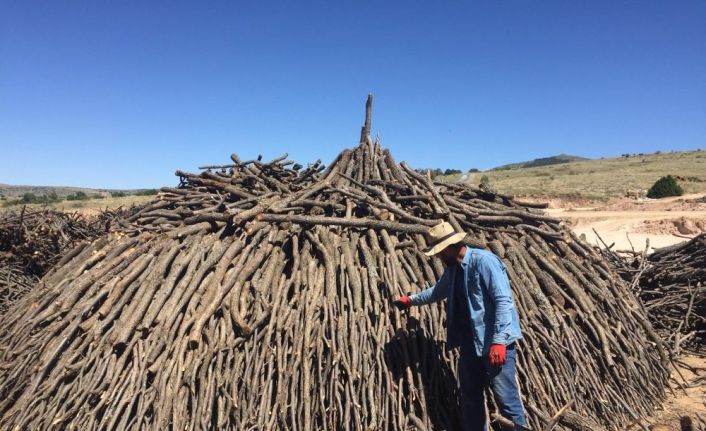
[90, 205]
[600, 178]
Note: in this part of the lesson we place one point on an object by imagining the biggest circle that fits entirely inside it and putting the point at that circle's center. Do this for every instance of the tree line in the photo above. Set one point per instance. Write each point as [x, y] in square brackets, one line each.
[435, 172]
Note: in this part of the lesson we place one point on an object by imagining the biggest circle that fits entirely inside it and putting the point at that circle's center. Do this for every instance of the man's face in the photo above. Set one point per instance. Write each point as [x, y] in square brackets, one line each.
[449, 255]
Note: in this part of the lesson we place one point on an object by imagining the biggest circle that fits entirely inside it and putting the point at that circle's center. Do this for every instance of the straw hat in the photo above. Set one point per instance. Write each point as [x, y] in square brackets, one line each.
[442, 236]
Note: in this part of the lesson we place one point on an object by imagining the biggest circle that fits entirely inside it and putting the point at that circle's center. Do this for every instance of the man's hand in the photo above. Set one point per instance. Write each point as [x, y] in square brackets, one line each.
[497, 355]
[403, 302]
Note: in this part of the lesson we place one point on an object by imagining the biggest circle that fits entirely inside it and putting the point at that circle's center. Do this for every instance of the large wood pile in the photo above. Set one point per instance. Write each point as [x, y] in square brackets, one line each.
[257, 295]
[14, 284]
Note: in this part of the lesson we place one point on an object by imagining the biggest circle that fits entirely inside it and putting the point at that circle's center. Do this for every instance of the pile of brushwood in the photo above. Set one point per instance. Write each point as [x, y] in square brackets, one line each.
[673, 289]
[257, 295]
[32, 241]
[671, 285]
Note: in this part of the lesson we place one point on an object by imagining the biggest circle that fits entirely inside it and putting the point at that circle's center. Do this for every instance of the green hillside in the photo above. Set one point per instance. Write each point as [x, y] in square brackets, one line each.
[598, 178]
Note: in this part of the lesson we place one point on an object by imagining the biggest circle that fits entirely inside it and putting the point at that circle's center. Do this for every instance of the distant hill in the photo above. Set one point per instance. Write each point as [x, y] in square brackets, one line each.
[596, 178]
[544, 161]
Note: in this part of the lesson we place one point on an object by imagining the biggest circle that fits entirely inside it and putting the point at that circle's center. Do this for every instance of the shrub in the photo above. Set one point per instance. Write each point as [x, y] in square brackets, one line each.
[148, 192]
[50, 198]
[28, 198]
[484, 180]
[31, 198]
[664, 187]
[117, 194]
[78, 196]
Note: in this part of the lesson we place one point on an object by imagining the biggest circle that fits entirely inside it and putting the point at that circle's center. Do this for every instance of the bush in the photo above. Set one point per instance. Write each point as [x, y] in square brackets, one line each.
[451, 171]
[118, 194]
[148, 192]
[31, 198]
[485, 180]
[474, 170]
[664, 187]
[28, 198]
[78, 196]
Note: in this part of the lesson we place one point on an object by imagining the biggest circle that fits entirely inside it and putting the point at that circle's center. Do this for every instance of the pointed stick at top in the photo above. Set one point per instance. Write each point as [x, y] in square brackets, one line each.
[365, 132]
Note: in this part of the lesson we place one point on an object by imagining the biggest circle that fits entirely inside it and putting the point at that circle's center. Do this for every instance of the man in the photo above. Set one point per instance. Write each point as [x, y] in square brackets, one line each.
[481, 319]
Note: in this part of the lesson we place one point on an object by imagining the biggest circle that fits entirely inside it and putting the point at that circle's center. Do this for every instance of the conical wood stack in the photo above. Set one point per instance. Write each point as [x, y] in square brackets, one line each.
[256, 295]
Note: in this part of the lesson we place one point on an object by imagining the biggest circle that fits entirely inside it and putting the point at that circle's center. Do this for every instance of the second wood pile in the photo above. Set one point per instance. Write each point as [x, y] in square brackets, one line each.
[671, 284]
[33, 240]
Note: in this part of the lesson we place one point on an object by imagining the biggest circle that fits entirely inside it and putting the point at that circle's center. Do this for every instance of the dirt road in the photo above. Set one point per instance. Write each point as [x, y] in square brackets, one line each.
[664, 222]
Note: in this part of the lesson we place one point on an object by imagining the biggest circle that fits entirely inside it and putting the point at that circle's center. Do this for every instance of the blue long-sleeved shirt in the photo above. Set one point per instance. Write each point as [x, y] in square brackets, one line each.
[491, 308]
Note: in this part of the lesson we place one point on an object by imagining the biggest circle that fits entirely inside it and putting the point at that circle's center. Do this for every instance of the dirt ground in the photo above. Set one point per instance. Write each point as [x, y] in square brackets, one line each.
[629, 223]
[685, 397]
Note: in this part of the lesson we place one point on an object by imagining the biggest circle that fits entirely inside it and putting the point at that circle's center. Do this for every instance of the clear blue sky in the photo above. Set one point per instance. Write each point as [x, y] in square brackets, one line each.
[120, 94]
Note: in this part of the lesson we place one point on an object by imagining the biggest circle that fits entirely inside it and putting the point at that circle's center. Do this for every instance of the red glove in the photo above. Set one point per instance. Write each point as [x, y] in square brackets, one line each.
[403, 302]
[497, 355]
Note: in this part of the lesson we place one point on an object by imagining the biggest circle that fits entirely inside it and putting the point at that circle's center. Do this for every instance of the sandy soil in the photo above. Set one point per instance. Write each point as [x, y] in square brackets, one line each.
[685, 397]
[630, 223]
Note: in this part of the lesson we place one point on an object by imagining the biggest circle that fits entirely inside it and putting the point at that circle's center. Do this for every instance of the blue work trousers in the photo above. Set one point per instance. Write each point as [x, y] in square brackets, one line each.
[474, 375]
